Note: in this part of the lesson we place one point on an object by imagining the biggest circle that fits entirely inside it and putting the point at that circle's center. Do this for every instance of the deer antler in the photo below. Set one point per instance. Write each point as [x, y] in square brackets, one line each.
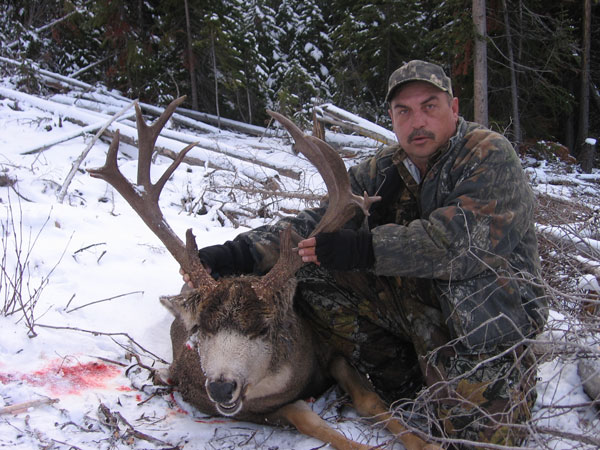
[143, 197]
[342, 201]
[342, 205]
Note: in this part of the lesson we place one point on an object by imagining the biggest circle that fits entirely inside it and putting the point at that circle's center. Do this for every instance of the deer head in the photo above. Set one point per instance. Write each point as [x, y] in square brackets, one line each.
[235, 323]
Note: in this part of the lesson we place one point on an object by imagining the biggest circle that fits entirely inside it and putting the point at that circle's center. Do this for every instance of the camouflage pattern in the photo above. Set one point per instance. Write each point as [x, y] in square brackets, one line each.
[417, 70]
[453, 290]
[468, 227]
[397, 335]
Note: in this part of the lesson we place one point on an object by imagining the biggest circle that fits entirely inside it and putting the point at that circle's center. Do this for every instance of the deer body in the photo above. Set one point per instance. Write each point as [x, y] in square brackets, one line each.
[239, 347]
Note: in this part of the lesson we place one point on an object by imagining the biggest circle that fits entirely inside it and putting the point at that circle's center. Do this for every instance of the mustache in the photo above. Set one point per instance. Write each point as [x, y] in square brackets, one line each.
[420, 133]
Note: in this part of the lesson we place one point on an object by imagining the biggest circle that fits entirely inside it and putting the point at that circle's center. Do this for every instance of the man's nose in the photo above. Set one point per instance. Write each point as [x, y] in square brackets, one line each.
[419, 120]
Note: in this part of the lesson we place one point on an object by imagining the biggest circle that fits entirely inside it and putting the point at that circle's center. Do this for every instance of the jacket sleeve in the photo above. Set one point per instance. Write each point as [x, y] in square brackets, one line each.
[476, 207]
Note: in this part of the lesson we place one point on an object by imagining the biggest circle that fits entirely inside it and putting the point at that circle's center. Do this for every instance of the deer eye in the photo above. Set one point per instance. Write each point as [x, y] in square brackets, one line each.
[264, 332]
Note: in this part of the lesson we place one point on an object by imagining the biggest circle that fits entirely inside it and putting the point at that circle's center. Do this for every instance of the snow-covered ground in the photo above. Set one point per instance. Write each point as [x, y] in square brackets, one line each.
[94, 273]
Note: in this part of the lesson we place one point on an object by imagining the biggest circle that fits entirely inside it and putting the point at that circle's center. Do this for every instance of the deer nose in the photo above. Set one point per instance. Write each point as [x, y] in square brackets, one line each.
[221, 391]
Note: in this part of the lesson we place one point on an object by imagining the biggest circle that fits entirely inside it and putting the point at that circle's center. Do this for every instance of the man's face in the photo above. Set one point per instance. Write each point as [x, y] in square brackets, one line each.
[423, 118]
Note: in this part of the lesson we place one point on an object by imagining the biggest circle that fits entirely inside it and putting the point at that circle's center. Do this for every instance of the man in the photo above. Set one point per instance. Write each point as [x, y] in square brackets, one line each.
[438, 287]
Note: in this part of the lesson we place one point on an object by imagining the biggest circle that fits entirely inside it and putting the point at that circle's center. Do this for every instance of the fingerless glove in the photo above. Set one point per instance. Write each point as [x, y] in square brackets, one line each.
[345, 250]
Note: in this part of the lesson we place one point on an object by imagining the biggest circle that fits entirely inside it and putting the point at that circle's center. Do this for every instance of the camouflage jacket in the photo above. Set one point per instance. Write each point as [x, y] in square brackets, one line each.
[467, 226]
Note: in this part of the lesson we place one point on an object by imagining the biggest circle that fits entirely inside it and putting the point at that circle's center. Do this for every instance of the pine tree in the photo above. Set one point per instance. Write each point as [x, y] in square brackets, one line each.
[300, 72]
[371, 39]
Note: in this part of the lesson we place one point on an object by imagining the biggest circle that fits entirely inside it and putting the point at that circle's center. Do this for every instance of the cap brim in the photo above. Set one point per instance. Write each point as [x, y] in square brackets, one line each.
[403, 82]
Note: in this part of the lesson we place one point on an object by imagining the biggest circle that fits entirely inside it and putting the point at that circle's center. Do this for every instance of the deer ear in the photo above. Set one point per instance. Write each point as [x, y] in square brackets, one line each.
[180, 307]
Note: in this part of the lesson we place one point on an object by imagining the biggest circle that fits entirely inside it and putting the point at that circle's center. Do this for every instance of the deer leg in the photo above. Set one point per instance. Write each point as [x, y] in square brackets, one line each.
[368, 404]
[308, 422]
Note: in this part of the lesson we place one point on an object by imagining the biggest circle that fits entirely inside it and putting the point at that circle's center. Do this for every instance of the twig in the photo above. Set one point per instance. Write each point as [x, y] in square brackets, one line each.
[66, 444]
[88, 247]
[111, 361]
[21, 195]
[100, 333]
[70, 300]
[138, 434]
[104, 300]
[25, 406]
[100, 257]
[139, 363]
[565, 434]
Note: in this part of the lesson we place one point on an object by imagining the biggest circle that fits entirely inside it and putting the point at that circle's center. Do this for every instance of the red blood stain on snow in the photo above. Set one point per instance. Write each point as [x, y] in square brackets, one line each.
[60, 378]
[125, 389]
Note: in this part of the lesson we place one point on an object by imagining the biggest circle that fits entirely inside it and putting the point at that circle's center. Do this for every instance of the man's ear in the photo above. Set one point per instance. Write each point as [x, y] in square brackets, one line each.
[454, 106]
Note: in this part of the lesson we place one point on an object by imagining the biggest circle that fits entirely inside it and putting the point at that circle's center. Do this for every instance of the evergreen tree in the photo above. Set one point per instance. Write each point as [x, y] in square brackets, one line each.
[131, 37]
[283, 54]
[268, 36]
[544, 41]
[371, 39]
[251, 94]
[300, 73]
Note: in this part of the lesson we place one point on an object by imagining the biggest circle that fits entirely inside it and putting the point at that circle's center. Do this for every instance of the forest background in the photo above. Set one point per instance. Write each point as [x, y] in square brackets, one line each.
[236, 58]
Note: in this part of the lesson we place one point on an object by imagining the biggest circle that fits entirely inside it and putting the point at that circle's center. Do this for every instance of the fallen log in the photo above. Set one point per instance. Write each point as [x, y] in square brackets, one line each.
[247, 128]
[165, 146]
[230, 151]
[208, 151]
[333, 115]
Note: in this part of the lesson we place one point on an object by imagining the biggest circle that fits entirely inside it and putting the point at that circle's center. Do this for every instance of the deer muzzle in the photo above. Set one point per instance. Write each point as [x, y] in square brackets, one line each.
[225, 395]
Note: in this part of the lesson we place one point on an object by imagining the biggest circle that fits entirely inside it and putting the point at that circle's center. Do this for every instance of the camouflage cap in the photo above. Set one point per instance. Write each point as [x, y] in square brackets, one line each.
[417, 70]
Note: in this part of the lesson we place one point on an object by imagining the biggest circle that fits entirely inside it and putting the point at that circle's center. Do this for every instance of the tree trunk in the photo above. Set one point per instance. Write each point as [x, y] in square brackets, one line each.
[584, 97]
[214, 61]
[249, 100]
[516, 119]
[595, 94]
[191, 57]
[587, 155]
[480, 63]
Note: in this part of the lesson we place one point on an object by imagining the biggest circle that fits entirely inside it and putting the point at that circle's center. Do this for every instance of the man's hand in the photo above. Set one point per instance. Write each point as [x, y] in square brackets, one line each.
[187, 279]
[340, 250]
[307, 248]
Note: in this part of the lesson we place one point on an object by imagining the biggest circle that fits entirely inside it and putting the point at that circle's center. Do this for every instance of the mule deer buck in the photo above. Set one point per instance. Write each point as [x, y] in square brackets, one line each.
[239, 347]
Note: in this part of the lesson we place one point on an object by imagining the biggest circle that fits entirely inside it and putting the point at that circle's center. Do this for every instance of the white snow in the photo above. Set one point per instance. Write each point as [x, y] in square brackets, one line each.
[97, 272]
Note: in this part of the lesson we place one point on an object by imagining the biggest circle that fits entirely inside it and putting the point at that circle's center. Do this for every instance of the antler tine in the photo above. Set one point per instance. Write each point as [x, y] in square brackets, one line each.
[147, 136]
[285, 268]
[342, 201]
[145, 201]
[342, 198]
[342, 204]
